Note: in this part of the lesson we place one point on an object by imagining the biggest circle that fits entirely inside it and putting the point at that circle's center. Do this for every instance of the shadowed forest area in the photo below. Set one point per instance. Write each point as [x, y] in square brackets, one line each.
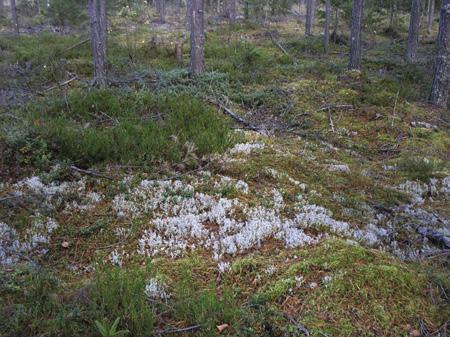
[224, 168]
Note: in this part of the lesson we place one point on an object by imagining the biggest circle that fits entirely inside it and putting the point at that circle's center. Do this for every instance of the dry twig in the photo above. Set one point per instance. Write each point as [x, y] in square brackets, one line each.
[90, 172]
[171, 331]
[235, 116]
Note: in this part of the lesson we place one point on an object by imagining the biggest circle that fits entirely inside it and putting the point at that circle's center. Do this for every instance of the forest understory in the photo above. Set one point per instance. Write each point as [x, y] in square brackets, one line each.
[276, 194]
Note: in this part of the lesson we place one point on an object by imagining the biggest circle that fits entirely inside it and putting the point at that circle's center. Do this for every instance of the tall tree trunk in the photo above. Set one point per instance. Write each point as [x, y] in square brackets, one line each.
[336, 23]
[326, 33]
[355, 37]
[225, 8]
[413, 33]
[232, 11]
[246, 10]
[15, 22]
[430, 14]
[299, 15]
[178, 8]
[103, 25]
[440, 88]
[197, 38]
[309, 17]
[188, 13]
[313, 13]
[211, 7]
[392, 15]
[2, 9]
[98, 34]
[161, 8]
[218, 7]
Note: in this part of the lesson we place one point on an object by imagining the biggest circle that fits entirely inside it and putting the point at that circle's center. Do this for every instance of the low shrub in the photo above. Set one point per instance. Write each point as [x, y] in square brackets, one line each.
[419, 168]
[109, 126]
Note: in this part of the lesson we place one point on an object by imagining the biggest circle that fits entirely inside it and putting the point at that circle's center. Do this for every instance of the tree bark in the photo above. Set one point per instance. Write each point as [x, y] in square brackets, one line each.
[355, 37]
[430, 14]
[161, 8]
[413, 33]
[2, 9]
[313, 13]
[225, 7]
[103, 25]
[98, 34]
[336, 22]
[392, 15]
[197, 37]
[440, 88]
[309, 17]
[14, 19]
[232, 11]
[178, 7]
[326, 33]
[246, 10]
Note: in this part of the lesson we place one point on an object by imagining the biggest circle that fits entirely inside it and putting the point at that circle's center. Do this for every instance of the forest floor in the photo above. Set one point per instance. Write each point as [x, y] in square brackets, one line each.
[145, 202]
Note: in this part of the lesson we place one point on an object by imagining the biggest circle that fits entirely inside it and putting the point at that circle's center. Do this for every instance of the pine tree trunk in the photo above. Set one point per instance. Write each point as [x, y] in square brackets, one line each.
[336, 23]
[98, 34]
[225, 8]
[440, 88]
[178, 7]
[14, 20]
[355, 37]
[161, 8]
[246, 10]
[313, 14]
[326, 34]
[103, 26]
[309, 17]
[232, 11]
[197, 37]
[392, 15]
[430, 14]
[413, 33]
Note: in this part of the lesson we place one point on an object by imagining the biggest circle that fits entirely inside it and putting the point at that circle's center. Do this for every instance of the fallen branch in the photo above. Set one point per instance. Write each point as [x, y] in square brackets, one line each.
[75, 45]
[331, 121]
[335, 106]
[170, 331]
[10, 197]
[280, 47]
[90, 172]
[301, 328]
[61, 84]
[235, 116]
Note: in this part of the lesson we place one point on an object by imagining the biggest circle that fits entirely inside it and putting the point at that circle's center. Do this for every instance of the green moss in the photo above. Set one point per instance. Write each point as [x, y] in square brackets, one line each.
[244, 265]
[366, 285]
[279, 288]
